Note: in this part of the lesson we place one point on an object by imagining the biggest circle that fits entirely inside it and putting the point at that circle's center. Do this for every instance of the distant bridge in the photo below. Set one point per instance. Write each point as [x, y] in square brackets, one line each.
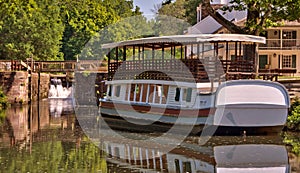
[53, 66]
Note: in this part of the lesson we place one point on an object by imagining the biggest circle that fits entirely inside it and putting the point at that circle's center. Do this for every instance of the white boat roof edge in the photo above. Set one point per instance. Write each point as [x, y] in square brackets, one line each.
[192, 38]
[164, 82]
[250, 83]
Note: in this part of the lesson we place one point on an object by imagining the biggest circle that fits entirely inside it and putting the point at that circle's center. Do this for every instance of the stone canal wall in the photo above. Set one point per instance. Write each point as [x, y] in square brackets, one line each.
[16, 86]
[41, 89]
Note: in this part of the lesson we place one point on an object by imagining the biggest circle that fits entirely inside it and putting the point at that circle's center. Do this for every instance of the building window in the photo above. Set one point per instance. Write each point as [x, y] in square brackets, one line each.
[117, 92]
[288, 61]
[289, 38]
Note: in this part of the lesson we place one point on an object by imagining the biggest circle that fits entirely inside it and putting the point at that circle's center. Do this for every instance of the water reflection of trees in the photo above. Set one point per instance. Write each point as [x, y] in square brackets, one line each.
[32, 140]
[54, 156]
[20, 124]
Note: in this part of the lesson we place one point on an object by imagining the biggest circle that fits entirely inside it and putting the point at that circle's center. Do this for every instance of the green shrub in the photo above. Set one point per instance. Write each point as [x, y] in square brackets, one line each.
[293, 120]
[292, 140]
[3, 99]
[2, 116]
[294, 104]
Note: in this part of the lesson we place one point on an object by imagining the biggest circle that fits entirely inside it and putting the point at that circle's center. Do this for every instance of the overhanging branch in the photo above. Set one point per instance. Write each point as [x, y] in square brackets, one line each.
[231, 27]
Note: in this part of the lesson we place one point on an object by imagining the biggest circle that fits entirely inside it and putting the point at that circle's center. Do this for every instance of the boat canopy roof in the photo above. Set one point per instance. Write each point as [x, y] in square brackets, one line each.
[188, 39]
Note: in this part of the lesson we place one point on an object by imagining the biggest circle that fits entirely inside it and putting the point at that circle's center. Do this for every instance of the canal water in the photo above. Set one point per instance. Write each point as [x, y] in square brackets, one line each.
[47, 136]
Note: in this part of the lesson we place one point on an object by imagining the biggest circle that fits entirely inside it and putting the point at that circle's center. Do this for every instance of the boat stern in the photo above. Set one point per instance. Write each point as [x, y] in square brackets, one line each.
[251, 103]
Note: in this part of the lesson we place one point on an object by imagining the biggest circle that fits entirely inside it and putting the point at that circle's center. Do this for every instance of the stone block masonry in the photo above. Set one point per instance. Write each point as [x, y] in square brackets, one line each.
[41, 87]
[15, 85]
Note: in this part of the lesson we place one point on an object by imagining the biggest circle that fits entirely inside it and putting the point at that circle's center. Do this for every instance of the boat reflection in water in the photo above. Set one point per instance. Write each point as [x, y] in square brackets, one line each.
[142, 152]
[251, 158]
[240, 156]
[161, 152]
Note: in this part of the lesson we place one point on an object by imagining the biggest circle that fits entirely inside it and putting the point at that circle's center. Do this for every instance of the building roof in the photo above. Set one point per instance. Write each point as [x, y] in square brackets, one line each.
[209, 25]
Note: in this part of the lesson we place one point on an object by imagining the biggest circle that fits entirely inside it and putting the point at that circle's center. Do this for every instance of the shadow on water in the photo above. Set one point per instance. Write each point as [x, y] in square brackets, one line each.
[47, 137]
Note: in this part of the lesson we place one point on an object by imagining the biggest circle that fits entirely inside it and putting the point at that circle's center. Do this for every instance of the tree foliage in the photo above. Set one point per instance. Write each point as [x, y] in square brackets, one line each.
[175, 9]
[181, 9]
[261, 15]
[292, 140]
[3, 100]
[190, 10]
[293, 120]
[83, 23]
[30, 28]
[55, 29]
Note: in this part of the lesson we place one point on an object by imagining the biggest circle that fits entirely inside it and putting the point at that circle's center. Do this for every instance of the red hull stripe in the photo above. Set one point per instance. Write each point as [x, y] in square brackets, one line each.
[166, 111]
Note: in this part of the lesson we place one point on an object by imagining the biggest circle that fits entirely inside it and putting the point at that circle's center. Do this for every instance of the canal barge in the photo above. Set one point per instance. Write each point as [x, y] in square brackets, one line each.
[181, 80]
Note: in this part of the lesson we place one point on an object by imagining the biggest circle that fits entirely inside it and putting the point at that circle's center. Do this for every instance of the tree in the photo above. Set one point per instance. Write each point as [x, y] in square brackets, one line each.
[92, 16]
[55, 29]
[261, 14]
[30, 28]
[82, 19]
[181, 9]
[190, 7]
[174, 9]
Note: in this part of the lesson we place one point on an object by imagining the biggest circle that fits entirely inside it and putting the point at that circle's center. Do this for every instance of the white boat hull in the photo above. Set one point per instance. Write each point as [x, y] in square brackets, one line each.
[250, 116]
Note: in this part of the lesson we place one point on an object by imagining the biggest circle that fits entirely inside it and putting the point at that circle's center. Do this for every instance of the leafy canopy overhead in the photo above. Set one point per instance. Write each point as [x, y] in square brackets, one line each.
[55, 29]
[30, 28]
[261, 14]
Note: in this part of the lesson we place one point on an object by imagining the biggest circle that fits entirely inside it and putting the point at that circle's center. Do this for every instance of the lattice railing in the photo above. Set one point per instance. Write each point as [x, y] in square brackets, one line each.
[168, 69]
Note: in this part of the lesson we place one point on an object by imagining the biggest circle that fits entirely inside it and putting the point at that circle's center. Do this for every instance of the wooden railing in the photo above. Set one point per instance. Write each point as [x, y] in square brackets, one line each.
[167, 69]
[53, 66]
[182, 70]
[281, 44]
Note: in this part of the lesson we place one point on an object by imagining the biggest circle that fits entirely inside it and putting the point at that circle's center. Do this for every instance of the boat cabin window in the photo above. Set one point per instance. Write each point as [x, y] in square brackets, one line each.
[186, 166]
[109, 91]
[159, 88]
[182, 166]
[187, 94]
[177, 165]
[177, 94]
[117, 91]
[117, 152]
